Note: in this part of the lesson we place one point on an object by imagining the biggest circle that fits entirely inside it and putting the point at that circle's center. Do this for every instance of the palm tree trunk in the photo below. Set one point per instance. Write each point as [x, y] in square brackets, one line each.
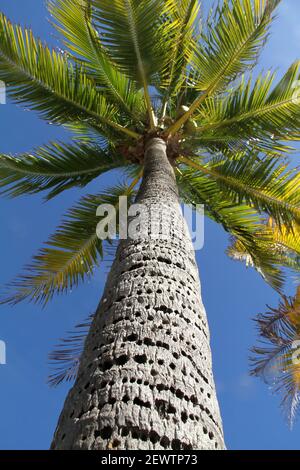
[145, 379]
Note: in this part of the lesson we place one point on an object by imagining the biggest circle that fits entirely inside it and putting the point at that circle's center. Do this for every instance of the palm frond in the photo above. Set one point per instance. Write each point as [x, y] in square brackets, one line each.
[239, 220]
[276, 359]
[55, 167]
[71, 254]
[286, 238]
[265, 261]
[283, 245]
[185, 35]
[261, 182]
[74, 22]
[256, 114]
[235, 34]
[135, 38]
[48, 83]
[64, 360]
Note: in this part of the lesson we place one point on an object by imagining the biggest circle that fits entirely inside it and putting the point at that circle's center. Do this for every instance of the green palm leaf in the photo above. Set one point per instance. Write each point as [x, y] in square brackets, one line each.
[55, 167]
[270, 115]
[284, 244]
[262, 183]
[235, 34]
[70, 256]
[185, 16]
[136, 38]
[74, 22]
[239, 220]
[50, 84]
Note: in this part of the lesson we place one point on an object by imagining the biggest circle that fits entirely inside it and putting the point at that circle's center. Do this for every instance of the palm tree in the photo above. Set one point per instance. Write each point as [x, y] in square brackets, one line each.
[149, 88]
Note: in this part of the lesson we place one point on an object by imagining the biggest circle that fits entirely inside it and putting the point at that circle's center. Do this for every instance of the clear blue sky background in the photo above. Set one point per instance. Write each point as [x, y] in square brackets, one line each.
[232, 294]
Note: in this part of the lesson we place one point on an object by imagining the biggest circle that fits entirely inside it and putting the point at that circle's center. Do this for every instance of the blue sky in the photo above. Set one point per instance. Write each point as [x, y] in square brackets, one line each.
[232, 294]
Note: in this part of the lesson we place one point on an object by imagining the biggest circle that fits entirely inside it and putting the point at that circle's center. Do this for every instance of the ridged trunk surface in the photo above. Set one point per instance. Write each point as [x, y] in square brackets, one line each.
[145, 379]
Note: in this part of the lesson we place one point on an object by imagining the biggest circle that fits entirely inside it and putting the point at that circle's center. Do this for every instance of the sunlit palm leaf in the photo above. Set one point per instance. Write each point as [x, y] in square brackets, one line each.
[287, 237]
[234, 36]
[69, 257]
[135, 38]
[54, 168]
[131, 30]
[262, 183]
[186, 32]
[49, 84]
[239, 220]
[247, 111]
[283, 245]
[74, 22]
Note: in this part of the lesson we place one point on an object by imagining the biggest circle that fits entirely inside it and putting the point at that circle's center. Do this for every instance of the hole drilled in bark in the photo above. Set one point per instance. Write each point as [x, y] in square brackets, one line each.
[105, 433]
[115, 443]
[160, 387]
[148, 342]
[165, 442]
[135, 266]
[176, 444]
[164, 408]
[121, 360]
[125, 432]
[194, 400]
[154, 437]
[179, 394]
[140, 358]
[132, 337]
[161, 259]
[163, 345]
[139, 402]
[184, 416]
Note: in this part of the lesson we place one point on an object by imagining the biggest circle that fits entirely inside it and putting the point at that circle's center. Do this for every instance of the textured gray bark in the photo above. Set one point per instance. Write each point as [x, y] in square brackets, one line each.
[145, 379]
